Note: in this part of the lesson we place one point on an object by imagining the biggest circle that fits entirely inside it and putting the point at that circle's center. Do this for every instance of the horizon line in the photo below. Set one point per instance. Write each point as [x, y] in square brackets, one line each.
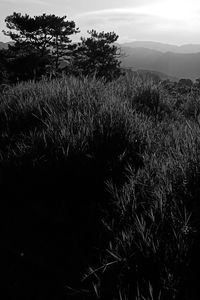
[144, 41]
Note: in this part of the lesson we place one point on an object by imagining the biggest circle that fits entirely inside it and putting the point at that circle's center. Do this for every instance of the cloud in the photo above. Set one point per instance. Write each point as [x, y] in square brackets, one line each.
[164, 21]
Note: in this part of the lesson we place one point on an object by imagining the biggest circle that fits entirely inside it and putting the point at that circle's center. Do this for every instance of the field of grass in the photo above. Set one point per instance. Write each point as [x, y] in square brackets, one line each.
[102, 185]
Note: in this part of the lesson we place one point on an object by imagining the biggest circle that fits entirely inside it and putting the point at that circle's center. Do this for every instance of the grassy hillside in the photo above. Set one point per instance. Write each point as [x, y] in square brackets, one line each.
[101, 185]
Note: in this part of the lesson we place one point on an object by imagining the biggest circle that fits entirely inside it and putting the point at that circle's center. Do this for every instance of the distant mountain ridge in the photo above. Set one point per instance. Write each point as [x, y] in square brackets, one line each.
[170, 60]
[175, 64]
[186, 48]
[162, 47]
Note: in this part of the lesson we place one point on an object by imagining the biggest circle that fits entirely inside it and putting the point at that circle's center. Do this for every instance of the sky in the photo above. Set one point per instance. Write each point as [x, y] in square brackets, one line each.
[168, 21]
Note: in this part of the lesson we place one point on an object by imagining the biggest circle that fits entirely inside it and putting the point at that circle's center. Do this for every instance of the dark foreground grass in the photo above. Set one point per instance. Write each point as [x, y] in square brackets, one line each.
[101, 184]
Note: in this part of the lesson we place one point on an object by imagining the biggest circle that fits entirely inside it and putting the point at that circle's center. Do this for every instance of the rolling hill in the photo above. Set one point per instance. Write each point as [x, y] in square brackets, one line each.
[180, 65]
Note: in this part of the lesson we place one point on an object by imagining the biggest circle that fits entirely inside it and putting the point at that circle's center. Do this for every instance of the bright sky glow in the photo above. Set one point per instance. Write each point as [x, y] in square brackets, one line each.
[169, 21]
[170, 10]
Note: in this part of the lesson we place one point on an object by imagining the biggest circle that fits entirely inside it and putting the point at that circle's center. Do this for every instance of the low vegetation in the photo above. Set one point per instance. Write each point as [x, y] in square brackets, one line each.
[102, 190]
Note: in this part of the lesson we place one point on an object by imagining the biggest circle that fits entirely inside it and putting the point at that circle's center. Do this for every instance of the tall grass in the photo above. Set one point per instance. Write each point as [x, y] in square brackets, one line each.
[109, 172]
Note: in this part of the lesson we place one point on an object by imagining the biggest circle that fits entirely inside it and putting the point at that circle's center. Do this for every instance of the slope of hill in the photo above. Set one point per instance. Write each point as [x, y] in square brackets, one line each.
[180, 65]
[102, 191]
[154, 74]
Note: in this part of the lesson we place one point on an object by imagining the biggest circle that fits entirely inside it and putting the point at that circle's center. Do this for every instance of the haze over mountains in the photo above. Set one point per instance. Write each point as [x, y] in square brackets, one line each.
[176, 61]
[172, 61]
[187, 48]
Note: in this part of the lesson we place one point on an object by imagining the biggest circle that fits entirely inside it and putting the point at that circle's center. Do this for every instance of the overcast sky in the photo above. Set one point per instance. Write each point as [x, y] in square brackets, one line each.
[169, 21]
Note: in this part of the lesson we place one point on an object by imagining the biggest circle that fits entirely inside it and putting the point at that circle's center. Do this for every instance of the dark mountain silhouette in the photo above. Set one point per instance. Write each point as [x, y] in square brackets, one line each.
[180, 65]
